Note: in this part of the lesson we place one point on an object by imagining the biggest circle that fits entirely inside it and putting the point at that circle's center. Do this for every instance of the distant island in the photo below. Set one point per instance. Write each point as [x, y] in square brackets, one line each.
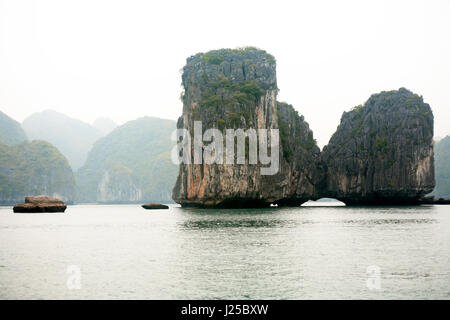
[442, 160]
[130, 165]
[73, 137]
[120, 164]
[34, 168]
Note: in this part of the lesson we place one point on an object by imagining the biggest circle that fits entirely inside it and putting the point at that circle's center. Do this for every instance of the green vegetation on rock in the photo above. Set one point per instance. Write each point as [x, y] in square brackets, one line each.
[224, 86]
[247, 91]
[218, 56]
[213, 58]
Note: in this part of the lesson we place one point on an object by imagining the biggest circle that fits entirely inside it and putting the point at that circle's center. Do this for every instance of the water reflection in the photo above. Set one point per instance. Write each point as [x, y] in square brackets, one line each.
[273, 217]
[241, 223]
[392, 209]
[407, 275]
[388, 221]
[222, 212]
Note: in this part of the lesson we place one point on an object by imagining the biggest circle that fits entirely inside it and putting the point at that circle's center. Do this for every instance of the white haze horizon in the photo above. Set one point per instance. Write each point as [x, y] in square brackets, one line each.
[122, 59]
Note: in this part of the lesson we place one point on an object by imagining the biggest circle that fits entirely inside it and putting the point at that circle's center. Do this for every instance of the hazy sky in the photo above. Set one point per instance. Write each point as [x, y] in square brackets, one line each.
[122, 59]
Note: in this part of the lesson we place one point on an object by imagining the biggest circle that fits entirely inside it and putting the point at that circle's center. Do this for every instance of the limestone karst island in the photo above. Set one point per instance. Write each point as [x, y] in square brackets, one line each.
[381, 153]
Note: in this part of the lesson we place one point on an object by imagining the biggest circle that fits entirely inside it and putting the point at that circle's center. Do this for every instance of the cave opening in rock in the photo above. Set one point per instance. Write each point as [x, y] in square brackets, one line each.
[324, 202]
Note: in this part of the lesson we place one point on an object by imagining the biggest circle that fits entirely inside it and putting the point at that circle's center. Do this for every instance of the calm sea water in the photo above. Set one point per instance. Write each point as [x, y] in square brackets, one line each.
[319, 252]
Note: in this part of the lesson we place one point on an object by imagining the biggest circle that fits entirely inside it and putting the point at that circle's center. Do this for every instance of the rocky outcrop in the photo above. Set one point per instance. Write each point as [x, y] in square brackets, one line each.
[237, 89]
[42, 203]
[381, 153]
[300, 158]
[154, 206]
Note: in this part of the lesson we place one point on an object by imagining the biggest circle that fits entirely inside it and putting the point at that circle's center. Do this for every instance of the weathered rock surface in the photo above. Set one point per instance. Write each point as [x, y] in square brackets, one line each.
[232, 89]
[381, 153]
[40, 203]
[152, 206]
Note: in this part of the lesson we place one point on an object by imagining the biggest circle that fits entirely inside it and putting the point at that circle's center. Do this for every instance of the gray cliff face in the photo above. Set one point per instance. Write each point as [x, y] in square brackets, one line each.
[300, 155]
[382, 152]
[232, 89]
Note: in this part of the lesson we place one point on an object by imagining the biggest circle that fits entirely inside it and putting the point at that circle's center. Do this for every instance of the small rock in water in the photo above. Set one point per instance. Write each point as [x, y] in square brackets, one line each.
[41, 203]
[154, 206]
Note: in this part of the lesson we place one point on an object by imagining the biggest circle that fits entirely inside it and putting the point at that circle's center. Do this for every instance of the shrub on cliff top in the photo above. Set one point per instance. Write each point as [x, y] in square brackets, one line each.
[358, 109]
[213, 58]
[218, 56]
[244, 93]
